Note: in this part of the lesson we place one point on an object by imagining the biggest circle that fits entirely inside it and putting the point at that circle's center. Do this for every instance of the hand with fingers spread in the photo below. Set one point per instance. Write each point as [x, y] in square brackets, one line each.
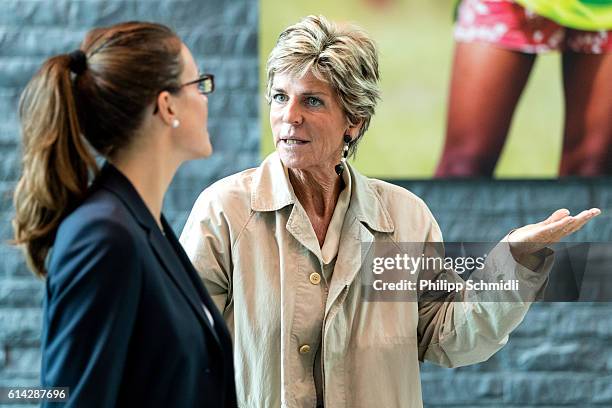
[534, 237]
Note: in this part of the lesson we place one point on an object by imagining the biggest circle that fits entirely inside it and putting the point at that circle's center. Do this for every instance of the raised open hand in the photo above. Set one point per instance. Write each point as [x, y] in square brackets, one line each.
[533, 237]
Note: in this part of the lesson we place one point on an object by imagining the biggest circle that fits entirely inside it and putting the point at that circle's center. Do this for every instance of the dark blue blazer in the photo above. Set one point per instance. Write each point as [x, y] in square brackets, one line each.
[124, 321]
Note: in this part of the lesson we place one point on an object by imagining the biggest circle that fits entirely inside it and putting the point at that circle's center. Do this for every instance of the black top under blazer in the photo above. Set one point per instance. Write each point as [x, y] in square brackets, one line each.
[124, 320]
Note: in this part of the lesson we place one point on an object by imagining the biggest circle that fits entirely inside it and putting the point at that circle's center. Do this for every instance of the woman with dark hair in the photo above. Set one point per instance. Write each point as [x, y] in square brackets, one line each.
[126, 320]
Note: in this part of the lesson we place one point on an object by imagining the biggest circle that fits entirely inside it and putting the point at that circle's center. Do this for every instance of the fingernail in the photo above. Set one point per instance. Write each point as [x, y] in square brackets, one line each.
[595, 211]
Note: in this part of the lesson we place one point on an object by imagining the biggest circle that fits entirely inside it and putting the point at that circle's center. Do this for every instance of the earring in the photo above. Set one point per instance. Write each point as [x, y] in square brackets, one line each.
[340, 166]
[175, 123]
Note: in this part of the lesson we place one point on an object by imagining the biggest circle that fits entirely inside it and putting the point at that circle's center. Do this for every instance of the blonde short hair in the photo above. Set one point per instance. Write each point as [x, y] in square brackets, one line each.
[343, 56]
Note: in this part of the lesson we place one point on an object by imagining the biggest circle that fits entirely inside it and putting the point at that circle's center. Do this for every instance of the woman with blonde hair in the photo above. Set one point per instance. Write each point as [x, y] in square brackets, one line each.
[280, 247]
[126, 321]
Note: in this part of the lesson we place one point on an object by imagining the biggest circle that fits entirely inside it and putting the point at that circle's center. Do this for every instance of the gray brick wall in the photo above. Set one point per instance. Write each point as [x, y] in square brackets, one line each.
[561, 355]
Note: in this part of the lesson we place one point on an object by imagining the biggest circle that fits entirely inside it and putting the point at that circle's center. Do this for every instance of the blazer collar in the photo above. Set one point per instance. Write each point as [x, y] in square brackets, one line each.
[271, 191]
[112, 179]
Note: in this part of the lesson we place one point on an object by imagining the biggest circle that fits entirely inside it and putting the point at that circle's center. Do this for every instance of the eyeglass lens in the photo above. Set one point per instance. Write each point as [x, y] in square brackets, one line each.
[206, 86]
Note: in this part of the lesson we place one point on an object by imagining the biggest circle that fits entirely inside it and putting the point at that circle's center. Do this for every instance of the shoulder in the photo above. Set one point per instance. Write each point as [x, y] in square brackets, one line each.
[98, 242]
[228, 198]
[101, 220]
[398, 199]
[236, 187]
[220, 211]
[410, 215]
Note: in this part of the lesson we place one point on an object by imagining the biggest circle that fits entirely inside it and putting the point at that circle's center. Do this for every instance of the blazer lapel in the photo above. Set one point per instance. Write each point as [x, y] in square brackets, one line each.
[166, 255]
[113, 180]
[220, 326]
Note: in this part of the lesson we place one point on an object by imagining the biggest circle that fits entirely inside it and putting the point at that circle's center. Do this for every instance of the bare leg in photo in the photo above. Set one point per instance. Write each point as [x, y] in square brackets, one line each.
[486, 84]
[587, 139]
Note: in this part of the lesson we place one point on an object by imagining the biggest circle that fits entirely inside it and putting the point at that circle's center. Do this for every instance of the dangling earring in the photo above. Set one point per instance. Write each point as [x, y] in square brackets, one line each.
[175, 123]
[340, 166]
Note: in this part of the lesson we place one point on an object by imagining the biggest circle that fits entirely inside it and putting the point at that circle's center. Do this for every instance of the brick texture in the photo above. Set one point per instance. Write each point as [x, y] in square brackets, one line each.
[561, 354]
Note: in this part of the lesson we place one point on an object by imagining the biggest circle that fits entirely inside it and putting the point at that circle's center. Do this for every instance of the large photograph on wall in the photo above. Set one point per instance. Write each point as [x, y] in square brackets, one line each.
[476, 88]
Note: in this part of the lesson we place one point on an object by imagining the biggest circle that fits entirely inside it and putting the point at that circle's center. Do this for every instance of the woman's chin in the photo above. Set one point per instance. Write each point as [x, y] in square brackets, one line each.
[297, 163]
[203, 152]
[207, 153]
[207, 148]
[292, 161]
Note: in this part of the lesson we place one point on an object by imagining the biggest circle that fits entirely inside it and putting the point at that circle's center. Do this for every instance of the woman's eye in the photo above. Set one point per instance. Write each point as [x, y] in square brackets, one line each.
[279, 98]
[312, 101]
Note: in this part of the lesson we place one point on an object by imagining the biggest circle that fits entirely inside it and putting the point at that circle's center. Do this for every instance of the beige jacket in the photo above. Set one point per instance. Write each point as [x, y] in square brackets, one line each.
[256, 251]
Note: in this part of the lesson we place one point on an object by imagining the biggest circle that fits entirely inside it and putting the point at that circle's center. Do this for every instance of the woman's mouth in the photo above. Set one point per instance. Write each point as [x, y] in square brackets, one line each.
[294, 142]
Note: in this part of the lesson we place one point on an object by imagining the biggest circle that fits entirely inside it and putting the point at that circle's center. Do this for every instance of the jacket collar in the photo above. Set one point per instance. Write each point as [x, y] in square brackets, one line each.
[112, 179]
[271, 191]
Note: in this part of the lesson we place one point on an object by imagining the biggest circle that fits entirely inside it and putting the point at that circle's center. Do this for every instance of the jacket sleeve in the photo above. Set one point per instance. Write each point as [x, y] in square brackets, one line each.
[206, 240]
[91, 305]
[467, 327]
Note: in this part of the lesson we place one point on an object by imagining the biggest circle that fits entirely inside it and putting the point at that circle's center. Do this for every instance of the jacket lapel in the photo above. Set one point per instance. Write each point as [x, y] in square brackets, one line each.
[113, 180]
[219, 322]
[366, 213]
[298, 225]
[272, 191]
[173, 267]
[356, 242]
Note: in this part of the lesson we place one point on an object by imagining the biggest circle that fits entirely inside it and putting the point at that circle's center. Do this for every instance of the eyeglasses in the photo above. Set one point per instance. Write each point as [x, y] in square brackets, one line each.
[206, 85]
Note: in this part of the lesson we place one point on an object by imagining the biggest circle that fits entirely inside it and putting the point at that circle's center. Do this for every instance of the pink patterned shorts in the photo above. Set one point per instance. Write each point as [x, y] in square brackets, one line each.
[510, 25]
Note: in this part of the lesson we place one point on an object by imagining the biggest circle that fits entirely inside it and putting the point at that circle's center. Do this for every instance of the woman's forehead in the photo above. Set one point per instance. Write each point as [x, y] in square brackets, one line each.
[190, 67]
[307, 83]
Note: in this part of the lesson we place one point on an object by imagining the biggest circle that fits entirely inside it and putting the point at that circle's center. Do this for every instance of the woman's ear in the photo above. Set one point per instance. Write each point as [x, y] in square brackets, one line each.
[353, 130]
[166, 107]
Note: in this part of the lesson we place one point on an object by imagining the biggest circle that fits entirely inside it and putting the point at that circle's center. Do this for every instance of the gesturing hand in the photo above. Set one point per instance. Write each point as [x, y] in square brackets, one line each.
[533, 237]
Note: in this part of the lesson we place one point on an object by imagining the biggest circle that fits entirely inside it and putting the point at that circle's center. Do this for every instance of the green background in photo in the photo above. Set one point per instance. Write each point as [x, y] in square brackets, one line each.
[415, 44]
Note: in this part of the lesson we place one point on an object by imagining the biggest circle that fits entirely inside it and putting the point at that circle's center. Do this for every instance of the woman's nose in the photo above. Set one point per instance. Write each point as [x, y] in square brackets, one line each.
[292, 113]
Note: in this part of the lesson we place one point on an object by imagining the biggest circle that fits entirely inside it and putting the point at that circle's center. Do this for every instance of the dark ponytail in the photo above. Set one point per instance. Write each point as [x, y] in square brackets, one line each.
[120, 71]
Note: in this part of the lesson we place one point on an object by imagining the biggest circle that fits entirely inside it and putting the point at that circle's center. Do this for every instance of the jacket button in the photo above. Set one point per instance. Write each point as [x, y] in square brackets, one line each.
[305, 349]
[315, 278]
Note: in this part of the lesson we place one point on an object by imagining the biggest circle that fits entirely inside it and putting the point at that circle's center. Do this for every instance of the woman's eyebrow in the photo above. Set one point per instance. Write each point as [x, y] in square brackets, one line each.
[314, 93]
[307, 92]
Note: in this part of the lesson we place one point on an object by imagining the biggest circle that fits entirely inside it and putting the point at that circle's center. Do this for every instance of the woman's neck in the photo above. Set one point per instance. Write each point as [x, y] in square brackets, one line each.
[318, 194]
[150, 174]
